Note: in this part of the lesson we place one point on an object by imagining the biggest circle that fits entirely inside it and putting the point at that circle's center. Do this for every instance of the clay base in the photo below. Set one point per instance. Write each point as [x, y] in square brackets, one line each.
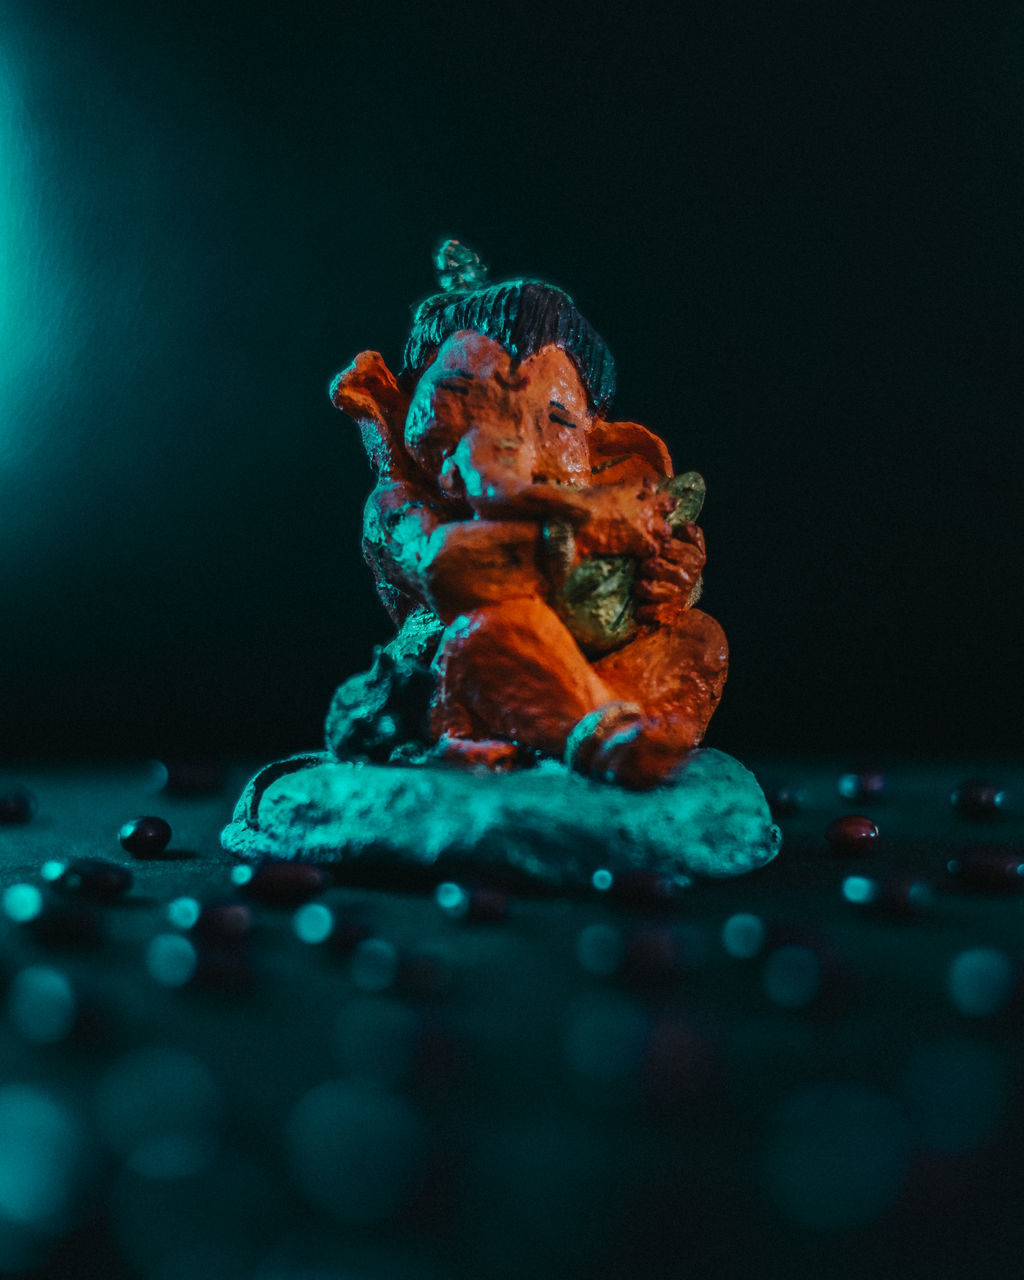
[546, 824]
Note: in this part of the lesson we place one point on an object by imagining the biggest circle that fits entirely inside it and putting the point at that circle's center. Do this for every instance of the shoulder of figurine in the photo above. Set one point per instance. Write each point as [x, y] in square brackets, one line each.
[621, 450]
[394, 497]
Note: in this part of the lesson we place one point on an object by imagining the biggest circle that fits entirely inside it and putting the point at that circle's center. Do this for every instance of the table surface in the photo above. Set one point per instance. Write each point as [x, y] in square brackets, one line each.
[586, 1088]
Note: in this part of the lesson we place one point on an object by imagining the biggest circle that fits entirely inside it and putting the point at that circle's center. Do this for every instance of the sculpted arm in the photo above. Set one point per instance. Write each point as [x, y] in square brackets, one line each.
[448, 565]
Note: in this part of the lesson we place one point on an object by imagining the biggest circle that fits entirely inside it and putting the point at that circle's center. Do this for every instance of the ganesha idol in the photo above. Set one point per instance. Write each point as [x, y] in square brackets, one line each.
[542, 565]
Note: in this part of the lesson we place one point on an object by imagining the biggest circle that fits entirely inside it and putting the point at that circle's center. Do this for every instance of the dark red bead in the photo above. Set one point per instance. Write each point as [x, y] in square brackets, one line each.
[17, 805]
[680, 1066]
[852, 835]
[223, 922]
[974, 799]
[285, 883]
[189, 777]
[865, 784]
[651, 956]
[786, 801]
[989, 868]
[145, 837]
[95, 879]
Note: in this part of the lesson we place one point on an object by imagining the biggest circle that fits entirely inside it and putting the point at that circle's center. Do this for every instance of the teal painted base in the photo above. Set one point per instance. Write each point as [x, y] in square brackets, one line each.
[546, 824]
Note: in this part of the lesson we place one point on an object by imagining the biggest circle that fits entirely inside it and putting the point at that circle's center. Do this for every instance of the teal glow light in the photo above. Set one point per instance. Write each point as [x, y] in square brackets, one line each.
[313, 923]
[22, 902]
[183, 913]
[859, 889]
[241, 875]
[171, 959]
[743, 935]
[41, 1005]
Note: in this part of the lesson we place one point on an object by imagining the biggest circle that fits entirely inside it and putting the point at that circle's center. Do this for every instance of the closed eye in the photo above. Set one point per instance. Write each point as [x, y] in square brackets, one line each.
[554, 417]
[459, 388]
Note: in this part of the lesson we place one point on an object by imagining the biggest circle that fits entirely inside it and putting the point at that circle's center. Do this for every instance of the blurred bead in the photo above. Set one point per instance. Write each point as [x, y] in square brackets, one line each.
[974, 799]
[374, 965]
[898, 895]
[600, 949]
[95, 879]
[187, 778]
[347, 934]
[22, 902]
[786, 801]
[651, 957]
[68, 924]
[171, 959]
[637, 887]
[989, 868]
[17, 805]
[285, 883]
[313, 923]
[223, 967]
[981, 981]
[852, 835]
[792, 976]
[743, 935]
[41, 1005]
[145, 837]
[680, 1066]
[866, 784]
[223, 922]
[482, 903]
[426, 972]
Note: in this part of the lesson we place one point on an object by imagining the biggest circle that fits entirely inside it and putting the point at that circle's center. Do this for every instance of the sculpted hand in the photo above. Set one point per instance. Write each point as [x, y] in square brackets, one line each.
[668, 582]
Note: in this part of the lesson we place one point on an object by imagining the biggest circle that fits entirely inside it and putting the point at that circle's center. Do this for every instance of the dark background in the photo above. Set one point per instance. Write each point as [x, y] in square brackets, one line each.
[798, 227]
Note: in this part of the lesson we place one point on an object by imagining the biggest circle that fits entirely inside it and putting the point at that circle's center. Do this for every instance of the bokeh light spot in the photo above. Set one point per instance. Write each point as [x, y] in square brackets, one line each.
[171, 959]
[357, 1152]
[981, 981]
[41, 1005]
[22, 902]
[743, 935]
[836, 1155]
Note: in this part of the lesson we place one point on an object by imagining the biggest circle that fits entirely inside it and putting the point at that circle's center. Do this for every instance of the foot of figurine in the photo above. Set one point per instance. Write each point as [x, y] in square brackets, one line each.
[489, 753]
[618, 744]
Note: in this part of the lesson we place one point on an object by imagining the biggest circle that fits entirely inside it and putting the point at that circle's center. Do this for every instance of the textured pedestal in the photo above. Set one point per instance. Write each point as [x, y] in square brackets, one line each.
[547, 824]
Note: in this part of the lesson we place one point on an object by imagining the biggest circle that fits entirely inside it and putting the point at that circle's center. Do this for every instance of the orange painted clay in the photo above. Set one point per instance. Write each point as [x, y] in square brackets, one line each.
[496, 481]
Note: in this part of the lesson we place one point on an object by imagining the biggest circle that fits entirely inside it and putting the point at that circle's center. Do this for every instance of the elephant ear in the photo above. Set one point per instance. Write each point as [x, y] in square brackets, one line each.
[368, 392]
[621, 449]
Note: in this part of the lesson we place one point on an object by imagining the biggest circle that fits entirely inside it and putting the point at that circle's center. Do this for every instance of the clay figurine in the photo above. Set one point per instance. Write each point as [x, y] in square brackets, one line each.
[542, 565]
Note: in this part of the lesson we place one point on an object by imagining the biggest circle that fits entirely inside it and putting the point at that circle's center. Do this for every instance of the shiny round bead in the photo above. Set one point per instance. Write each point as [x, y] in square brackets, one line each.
[989, 868]
[786, 801]
[145, 837]
[94, 879]
[852, 835]
[17, 805]
[975, 799]
[865, 784]
[285, 883]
